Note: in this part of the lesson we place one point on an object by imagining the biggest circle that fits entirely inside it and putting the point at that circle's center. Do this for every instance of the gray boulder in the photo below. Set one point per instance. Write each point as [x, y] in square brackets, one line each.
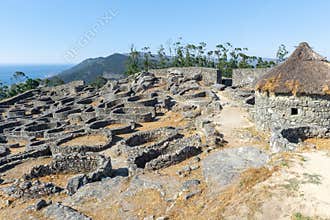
[3, 151]
[75, 183]
[58, 211]
[222, 167]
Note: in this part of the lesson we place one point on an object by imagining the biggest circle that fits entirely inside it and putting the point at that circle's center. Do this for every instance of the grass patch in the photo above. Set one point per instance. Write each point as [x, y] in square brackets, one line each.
[311, 178]
[299, 216]
[292, 184]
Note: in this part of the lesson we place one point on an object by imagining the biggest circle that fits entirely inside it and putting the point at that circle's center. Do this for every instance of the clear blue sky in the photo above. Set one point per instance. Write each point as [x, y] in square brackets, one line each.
[39, 31]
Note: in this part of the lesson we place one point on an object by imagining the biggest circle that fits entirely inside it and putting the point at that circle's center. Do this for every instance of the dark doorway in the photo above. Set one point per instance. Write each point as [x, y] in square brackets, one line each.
[294, 111]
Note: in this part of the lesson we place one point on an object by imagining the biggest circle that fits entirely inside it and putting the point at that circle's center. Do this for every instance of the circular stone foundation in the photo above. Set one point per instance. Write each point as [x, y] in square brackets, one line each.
[93, 141]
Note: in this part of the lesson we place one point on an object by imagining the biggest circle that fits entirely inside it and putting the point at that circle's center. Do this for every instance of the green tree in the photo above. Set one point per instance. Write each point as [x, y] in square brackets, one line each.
[245, 61]
[147, 62]
[162, 58]
[178, 59]
[210, 60]
[31, 84]
[189, 59]
[281, 53]
[54, 81]
[3, 91]
[19, 76]
[99, 82]
[201, 59]
[132, 64]
[221, 52]
[264, 63]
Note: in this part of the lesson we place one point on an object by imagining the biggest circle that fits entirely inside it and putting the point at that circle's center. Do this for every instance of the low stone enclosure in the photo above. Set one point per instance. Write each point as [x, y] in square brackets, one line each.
[289, 139]
[130, 119]
[90, 167]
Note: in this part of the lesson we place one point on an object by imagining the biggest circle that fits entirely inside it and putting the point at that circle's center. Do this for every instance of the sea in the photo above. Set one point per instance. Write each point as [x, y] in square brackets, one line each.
[33, 71]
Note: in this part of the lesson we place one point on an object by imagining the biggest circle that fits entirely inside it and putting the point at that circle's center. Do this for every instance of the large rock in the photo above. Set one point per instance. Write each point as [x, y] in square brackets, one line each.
[221, 168]
[3, 151]
[58, 211]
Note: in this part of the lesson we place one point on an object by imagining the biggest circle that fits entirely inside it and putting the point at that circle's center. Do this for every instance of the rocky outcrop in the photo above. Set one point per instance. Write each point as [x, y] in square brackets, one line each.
[58, 211]
[223, 167]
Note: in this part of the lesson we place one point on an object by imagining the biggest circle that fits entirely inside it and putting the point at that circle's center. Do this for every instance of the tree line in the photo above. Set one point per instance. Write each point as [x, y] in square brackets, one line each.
[24, 83]
[225, 57]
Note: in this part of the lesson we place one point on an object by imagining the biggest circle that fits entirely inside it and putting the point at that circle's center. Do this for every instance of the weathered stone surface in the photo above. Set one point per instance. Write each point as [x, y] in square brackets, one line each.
[40, 204]
[3, 151]
[55, 121]
[28, 189]
[248, 77]
[221, 168]
[219, 87]
[190, 183]
[288, 139]
[276, 111]
[58, 211]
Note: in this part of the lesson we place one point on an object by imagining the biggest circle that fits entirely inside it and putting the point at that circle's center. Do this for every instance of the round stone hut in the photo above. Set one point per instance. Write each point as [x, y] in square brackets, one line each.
[295, 93]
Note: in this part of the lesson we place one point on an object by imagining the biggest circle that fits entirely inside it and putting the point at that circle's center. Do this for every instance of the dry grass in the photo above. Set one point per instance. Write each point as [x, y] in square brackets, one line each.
[234, 193]
[22, 143]
[96, 103]
[293, 86]
[117, 125]
[21, 148]
[208, 205]
[19, 170]
[170, 118]
[320, 143]
[18, 209]
[326, 89]
[89, 140]
[148, 202]
[58, 179]
[17, 150]
[259, 138]
[271, 84]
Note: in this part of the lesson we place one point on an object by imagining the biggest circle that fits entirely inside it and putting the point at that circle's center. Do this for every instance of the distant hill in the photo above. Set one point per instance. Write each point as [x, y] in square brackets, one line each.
[112, 67]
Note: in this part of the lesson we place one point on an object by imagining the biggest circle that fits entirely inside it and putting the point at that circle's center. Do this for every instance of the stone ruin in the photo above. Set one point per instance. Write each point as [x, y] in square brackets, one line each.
[290, 100]
[77, 128]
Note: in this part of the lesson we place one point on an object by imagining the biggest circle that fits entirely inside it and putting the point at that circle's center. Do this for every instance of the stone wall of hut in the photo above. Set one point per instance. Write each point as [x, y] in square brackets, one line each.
[248, 78]
[210, 76]
[274, 111]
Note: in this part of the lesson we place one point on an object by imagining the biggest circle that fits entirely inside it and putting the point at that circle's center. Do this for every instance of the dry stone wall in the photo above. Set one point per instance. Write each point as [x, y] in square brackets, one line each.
[275, 111]
[248, 77]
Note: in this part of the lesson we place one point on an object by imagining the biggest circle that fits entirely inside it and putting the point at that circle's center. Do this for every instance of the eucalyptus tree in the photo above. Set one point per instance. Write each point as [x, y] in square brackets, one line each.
[147, 58]
[281, 53]
[3, 90]
[261, 63]
[190, 55]
[19, 76]
[178, 60]
[210, 59]
[132, 64]
[201, 59]
[162, 58]
[245, 61]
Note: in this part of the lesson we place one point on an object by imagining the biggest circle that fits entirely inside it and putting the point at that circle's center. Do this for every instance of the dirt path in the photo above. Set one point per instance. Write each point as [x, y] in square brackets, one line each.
[299, 190]
[235, 125]
[307, 186]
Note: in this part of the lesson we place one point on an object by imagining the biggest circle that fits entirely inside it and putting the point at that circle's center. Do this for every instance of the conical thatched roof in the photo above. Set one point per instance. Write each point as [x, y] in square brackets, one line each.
[304, 72]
